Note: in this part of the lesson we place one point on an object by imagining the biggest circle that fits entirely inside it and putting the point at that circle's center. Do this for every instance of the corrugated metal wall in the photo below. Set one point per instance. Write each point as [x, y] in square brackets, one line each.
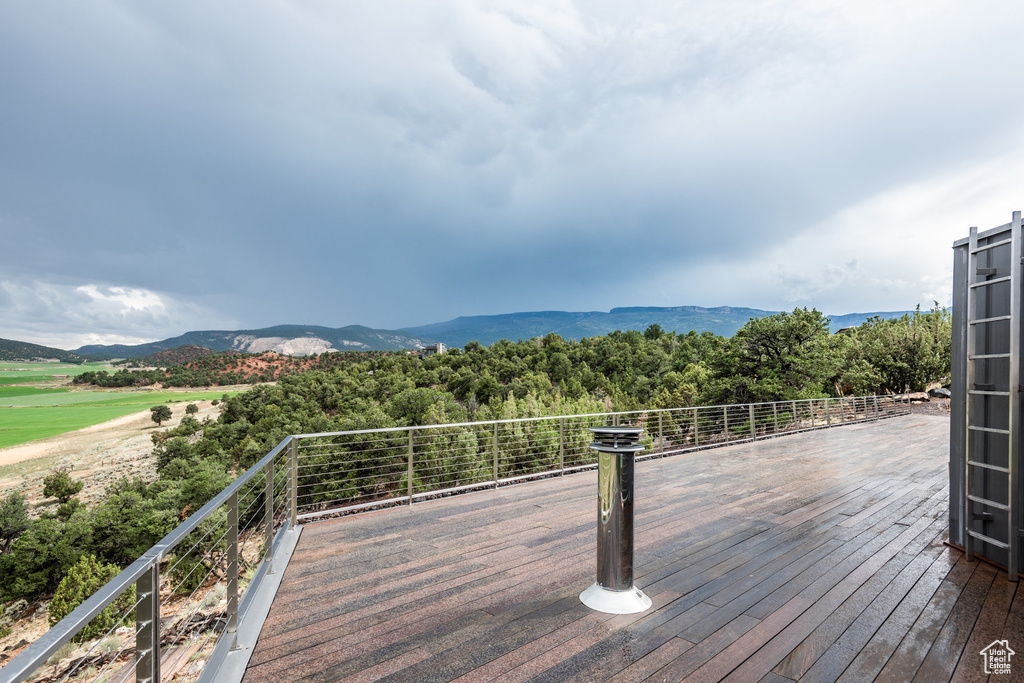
[988, 411]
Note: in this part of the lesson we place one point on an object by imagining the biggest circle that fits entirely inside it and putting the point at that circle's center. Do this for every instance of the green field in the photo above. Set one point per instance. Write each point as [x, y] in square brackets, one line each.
[63, 397]
[28, 413]
[39, 409]
[14, 392]
[20, 373]
[29, 417]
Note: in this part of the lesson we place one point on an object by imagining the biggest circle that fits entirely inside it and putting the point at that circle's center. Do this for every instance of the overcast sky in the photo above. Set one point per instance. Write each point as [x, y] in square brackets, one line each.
[166, 167]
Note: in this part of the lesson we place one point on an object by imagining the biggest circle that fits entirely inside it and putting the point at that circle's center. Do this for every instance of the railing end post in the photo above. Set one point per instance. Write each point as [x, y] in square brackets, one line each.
[268, 518]
[561, 444]
[495, 455]
[232, 571]
[147, 625]
[293, 476]
[409, 471]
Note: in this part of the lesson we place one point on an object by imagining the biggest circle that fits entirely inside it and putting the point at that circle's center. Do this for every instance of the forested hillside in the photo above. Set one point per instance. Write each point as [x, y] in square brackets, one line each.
[779, 357]
[189, 366]
[180, 355]
[11, 350]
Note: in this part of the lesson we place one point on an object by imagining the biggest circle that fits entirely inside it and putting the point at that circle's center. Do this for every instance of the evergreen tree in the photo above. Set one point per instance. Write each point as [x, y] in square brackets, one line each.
[13, 519]
[160, 413]
[82, 580]
[61, 486]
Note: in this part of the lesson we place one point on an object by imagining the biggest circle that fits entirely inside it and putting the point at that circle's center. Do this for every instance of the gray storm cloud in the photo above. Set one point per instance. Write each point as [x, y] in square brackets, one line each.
[393, 164]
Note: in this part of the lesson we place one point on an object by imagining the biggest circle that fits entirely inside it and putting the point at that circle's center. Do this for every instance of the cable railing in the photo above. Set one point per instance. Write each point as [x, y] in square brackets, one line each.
[191, 607]
[174, 613]
[343, 472]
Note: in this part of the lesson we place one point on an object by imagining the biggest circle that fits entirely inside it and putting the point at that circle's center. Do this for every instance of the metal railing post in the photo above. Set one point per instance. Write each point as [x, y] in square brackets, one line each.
[495, 455]
[661, 434]
[775, 417]
[753, 429]
[696, 427]
[409, 473]
[147, 626]
[561, 444]
[293, 478]
[812, 411]
[268, 504]
[232, 570]
[828, 413]
[795, 417]
[725, 419]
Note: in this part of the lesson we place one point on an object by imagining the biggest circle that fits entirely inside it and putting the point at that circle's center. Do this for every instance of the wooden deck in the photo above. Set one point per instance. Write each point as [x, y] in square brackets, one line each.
[813, 557]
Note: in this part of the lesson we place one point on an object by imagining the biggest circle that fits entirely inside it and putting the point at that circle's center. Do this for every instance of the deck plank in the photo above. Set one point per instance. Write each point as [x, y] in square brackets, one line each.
[812, 557]
[949, 644]
[794, 650]
[905, 662]
[990, 626]
[889, 584]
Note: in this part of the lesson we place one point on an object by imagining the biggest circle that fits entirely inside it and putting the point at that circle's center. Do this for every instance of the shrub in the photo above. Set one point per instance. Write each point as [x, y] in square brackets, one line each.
[188, 573]
[84, 578]
[13, 518]
[41, 556]
[125, 525]
[60, 655]
[66, 510]
[61, 486]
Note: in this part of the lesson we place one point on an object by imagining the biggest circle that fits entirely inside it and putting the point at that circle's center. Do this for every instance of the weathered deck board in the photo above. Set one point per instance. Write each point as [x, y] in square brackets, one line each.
[812, 557]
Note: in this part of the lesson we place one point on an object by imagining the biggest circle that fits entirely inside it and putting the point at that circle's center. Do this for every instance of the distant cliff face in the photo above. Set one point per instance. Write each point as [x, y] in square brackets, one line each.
[289, 340]
[301, 346]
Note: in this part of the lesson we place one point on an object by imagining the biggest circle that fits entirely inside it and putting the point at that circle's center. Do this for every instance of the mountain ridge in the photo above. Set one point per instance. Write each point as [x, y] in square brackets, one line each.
[720, 320]
[298, 340]
[291, 340]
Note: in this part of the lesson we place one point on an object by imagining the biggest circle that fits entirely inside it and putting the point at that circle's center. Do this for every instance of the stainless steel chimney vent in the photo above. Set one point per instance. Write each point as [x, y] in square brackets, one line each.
[614, 592]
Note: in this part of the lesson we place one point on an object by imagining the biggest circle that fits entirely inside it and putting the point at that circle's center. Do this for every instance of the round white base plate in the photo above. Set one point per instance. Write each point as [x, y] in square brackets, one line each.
[615, 602]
